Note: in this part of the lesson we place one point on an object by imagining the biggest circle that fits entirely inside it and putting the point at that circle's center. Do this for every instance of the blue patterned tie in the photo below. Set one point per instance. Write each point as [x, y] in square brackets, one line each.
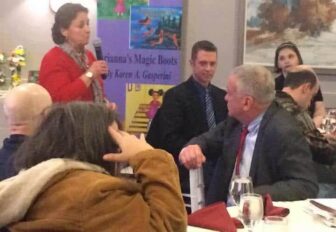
[209, 110]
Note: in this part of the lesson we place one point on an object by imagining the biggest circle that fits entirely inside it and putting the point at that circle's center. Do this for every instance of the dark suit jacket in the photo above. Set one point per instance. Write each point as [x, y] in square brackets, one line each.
[281, 164]
[182, 117]
[10, 146]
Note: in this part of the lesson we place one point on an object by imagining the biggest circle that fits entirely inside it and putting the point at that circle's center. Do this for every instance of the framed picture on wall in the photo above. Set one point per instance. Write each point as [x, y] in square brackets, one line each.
[310, 24]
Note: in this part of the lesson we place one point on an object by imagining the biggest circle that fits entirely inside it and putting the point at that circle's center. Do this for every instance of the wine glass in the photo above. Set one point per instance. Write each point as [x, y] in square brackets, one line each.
[240, 185]
[251, 209]
[329, 121]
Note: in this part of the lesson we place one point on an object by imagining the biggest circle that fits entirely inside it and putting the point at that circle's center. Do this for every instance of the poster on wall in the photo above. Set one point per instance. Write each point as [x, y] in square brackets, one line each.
[141, 42]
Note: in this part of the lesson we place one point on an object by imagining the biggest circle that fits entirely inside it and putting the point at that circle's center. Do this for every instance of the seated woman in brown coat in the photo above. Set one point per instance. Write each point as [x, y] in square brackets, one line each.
[70, 183]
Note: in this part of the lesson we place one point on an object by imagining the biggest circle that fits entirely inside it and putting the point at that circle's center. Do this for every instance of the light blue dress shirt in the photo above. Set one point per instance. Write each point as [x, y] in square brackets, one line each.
[245, 163]
[249, 144]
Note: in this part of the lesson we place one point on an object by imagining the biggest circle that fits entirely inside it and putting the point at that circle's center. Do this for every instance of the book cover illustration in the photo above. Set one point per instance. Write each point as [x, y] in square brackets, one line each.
[117, 9]
[143, 101]
[155, 27]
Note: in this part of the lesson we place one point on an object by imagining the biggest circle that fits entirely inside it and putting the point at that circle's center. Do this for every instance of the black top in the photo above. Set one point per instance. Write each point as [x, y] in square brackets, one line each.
[10, 145]
[279, 84]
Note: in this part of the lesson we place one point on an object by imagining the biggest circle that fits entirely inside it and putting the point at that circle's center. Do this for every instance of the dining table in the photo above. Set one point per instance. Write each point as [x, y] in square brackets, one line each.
[303, 217]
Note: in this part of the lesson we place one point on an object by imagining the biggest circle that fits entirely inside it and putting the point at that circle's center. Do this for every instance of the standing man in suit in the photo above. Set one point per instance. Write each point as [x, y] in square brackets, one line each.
[274, 152]
[189, 109]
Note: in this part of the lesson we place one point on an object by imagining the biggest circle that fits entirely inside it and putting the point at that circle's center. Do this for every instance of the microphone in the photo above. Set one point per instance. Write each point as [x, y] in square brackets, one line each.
[99, 53]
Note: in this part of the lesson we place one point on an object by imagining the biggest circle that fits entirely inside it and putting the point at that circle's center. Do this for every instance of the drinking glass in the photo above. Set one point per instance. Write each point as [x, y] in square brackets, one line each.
[240, 185]
[251, 209]
[329, 122]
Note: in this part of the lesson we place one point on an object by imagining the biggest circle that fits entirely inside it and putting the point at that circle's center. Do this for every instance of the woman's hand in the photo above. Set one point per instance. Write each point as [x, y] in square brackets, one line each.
[98, 68]
[129, 145]
[111, 105]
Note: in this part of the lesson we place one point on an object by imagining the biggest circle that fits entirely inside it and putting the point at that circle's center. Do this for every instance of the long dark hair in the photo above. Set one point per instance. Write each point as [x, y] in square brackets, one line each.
[289, 45]
[76, 130]
[63, 18]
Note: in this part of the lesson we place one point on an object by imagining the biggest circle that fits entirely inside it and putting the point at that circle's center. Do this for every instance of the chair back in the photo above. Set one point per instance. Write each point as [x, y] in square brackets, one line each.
[196, 194]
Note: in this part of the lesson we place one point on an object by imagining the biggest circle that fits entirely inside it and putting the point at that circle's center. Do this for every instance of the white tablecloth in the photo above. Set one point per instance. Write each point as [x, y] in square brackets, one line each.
[298, 219]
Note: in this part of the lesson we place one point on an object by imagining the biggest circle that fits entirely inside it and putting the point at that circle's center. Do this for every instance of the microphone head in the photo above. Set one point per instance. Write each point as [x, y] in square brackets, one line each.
[96, 42]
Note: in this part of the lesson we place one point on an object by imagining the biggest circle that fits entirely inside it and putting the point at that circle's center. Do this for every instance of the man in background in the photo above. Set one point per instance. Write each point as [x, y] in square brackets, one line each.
[259, 139]
[189, 109]
[23, 106]
[300, 87]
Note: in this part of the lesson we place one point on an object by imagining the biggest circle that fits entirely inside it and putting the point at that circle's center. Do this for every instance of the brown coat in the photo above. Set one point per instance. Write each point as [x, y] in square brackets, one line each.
[85, 200]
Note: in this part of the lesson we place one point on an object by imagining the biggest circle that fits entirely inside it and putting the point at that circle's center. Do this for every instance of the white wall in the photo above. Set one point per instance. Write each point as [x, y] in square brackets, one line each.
[29, 22]
[213, 20]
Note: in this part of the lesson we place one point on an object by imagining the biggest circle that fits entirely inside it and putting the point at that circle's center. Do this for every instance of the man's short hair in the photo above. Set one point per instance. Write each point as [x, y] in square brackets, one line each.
[202, 45]
[256, 81]
[295, 79]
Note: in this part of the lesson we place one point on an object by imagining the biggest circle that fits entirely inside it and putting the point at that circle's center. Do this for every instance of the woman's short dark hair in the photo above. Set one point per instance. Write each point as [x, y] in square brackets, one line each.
[289, 45]
[63, 18]
[76, 130]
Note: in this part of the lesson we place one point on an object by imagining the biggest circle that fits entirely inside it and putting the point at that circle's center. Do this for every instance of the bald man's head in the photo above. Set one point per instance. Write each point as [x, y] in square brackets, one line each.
[302, 67]
[302, 85]
[23, 105]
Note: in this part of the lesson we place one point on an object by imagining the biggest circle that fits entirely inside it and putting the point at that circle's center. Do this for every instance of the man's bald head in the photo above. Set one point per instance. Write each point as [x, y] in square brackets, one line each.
[300, 75]
[302, 67]
[23, 105]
